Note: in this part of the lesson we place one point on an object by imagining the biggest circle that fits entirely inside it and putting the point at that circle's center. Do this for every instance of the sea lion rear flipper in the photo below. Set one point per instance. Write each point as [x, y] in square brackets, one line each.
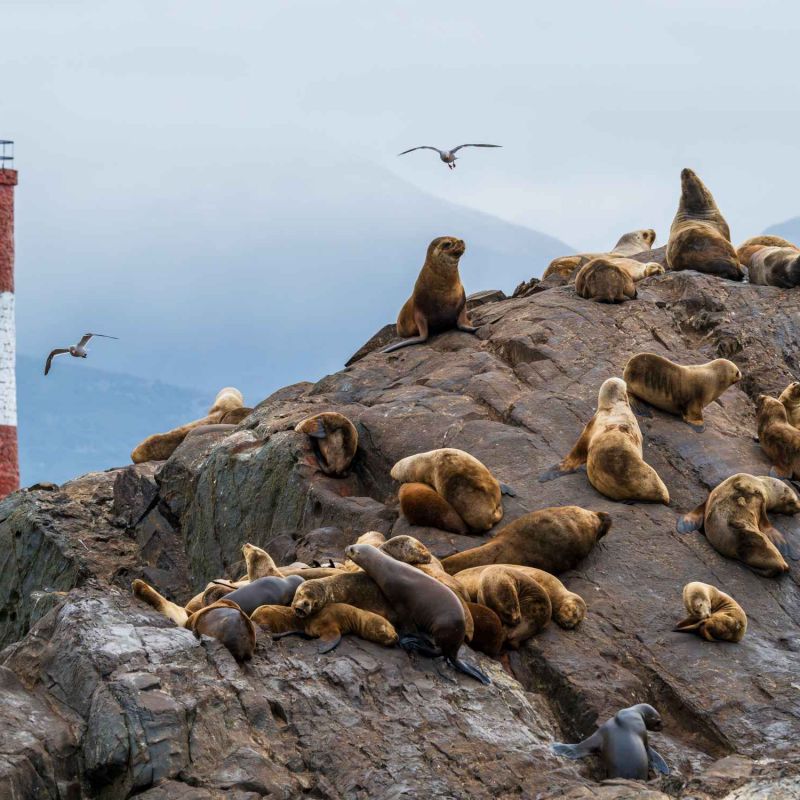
[471, 670]
[688, 625]
[585, 748]
[657, 762]
[405, 343]
[301, 634]
[330, 644]
[693, 521]
[507, 490]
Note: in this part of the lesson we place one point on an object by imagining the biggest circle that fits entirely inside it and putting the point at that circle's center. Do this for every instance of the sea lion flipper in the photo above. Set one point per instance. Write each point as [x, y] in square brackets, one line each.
[657, 762]
[639, 407]
[419, 643]
[554, 472]
[779, 540]
[585, 748]
[405, 343]
[507, 490]
[693, 521]
[330, 644]
[471, 670]
[315, 429]
[688, 625]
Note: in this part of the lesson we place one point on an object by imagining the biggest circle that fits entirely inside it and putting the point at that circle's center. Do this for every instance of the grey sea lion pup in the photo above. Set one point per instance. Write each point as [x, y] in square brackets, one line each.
[622, 744]
[424, 606]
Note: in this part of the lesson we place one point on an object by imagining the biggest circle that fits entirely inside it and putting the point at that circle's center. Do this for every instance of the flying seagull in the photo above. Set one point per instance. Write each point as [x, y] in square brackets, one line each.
[78, 350]
[448, 156]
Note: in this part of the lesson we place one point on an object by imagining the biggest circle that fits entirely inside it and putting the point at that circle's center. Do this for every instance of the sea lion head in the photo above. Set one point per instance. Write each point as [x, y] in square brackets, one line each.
[445, 251]
[781, 496]
[613, 391]
[792, 392]
[651, 717]
[227, 399]
[653, 268]
[726, 370]
[695, 197]
[570, 612]
[770, 409]
[604, 524]
[697, 600]
[309, 598]
[407, 549]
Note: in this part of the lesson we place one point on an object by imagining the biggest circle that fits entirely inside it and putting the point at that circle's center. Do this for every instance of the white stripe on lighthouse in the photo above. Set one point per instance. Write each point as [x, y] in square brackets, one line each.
[8, 384]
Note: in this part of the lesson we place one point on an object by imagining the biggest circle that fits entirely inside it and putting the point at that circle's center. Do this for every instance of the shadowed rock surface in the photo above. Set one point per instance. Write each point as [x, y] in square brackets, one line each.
[105, 698]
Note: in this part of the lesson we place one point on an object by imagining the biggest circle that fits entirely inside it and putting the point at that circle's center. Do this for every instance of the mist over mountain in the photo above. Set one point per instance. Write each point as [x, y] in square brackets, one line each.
[790, 229]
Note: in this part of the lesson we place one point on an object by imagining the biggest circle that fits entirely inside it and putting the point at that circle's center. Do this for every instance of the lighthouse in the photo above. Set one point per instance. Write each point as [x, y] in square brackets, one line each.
[9, 458]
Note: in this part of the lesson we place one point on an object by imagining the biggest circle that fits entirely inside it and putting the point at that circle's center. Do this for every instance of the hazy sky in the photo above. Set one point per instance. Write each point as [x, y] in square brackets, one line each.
[597, 105]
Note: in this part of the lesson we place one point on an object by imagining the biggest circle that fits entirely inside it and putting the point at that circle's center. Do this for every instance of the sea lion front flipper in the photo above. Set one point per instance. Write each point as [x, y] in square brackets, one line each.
[657, 762]
[507, 490]
[557, 471]
[471, 670]
[695, 426]
[329, 644]
[418, 643]
[688, 625]
[574, 459]
[693, 521]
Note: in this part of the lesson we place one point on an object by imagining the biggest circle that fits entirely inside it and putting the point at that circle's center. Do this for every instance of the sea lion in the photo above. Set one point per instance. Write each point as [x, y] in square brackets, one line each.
[225, 621]
[682, 390]
[147, 594]
[438, 302]
[779, 439]
[334, 440]
[734, 519]
[553, 539]
[329, 624]
[228, 408]
[466, 490]
[611, 448]
[353, 588]
[790, 397]
[488, 636]
[568, 608]
[699, 238]
[622, 744]
[637, 270]
[603, 281]
[629, 244]
[259, 563]
[521, 603]
[375, 538]
[713, 614]
[265, 591]
[772, 266]
[425, 507]
[423, 605]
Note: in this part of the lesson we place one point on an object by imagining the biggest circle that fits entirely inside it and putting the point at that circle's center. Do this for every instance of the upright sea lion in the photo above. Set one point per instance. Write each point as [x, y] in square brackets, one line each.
[713, 614]
[790, 397]
[521, 603]
[779, 439]
[611, 448]
[225, 621]
[466, 491]
[228, 408]
[259, 563]
[553, 539]
[629, 244]
[622, 744]
[734, 518]
[265, 591]
[422, 604]
[604, 281]
[700, 239]
[438, 302]
[334, 438]
[329, 624]
[568, 608]
[685, 391]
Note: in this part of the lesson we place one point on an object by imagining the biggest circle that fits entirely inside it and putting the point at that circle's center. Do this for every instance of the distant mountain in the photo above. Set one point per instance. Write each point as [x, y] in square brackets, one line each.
[254, 275]
[789, 230]
[80, 419]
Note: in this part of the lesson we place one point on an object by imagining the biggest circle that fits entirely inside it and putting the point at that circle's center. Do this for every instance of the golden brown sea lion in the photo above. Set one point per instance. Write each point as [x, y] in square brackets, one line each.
[552, 539]
[713, 614]
[228, 408]
[353, 588]
[629, 244]
[700, 238]
[790, 397]
[611, 448]
[735, 522]
[334, 439]
[424, 606]
[685, 391]
[772, 266]
[259, 563]
[779, 439]
[604, 281]
[438, 302]
[637, 270]
[465, 488]
[329, 624]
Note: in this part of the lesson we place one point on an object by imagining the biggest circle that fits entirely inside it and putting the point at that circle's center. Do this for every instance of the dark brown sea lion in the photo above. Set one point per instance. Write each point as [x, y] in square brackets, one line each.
[773, 266]
[735, 522]
[552, 539]
[270, 591]
[438, 302]
[622, 744]
[422, 604]
[604, 281]
[713, 614]
[335, 441]
[779, 439]
[488, 636]
[685, 391]
[611, 448]
[700, 239]
[226, 622]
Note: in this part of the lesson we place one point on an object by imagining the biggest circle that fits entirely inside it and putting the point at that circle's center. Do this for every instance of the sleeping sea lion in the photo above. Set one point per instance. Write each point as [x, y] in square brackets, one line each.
[265, 591]
[353, 588]
[771, 261]
[334, 439]
[713, 614]
[225, 621]
[603, 281]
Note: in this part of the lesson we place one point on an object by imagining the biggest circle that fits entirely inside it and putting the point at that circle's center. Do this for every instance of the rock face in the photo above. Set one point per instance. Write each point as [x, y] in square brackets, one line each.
[105, 698]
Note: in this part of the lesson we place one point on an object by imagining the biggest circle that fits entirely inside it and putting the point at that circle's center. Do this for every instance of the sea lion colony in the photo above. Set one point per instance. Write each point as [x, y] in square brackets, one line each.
[500, 593]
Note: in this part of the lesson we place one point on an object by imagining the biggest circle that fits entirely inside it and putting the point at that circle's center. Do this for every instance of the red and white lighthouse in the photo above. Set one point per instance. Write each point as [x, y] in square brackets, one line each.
[9, 458]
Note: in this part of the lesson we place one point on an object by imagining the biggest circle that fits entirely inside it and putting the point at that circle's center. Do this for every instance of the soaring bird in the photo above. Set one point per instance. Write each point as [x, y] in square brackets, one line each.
[78, 351]
[448, 156]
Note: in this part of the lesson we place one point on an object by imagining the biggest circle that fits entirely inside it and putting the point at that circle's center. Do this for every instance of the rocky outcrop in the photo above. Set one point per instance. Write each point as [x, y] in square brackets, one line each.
[107, 699]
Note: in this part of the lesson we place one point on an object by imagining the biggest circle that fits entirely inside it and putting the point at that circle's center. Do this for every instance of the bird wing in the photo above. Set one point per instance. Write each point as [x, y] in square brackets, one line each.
[474, 145]
[86, 336]
[421, 147]
[59, 351]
